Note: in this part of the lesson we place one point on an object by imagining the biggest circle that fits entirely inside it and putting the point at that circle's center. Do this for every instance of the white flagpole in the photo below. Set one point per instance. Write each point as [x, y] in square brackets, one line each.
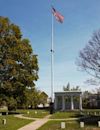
[52, 59]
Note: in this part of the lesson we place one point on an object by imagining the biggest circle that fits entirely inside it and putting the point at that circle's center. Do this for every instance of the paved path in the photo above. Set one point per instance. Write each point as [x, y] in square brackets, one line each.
[38, 122]
[23, 117]
[34, 125]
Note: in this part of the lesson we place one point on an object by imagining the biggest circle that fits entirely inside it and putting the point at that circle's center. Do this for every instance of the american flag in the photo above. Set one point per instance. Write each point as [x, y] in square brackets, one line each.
[58, 16]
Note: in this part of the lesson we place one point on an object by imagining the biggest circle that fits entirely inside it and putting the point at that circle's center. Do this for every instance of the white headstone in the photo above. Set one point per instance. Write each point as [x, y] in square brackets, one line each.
[98, 123]
[28, 112]
[95, 113]
[6, 113]
[35, 112]
[4, 121]
[82, 124]
[62, 125]
[0, 114]
[88, 113]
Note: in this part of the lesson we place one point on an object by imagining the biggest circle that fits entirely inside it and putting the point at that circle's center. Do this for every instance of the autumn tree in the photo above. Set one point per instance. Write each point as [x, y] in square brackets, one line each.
[35, 97]
[89, 57]
[18, 63]
[32, 98]
[43, 98]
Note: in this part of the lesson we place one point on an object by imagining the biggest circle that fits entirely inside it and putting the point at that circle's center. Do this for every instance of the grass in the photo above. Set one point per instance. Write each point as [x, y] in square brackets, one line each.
[3, 110]
[34, 113]
[64, 115]
[29, 112]
[72, 125]
[13, 123]
[90, 120]
[92, 110]
[75, 114]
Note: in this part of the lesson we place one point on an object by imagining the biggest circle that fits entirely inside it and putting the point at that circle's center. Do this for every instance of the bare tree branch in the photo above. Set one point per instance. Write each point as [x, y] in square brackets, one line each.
[89, 57]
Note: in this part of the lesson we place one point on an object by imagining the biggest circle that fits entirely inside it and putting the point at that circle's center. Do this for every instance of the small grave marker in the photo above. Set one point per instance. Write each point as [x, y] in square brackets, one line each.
[28, 112]
[82, 124]
[4, 122]
[0, 114]
[95, 113]
[6, 113]
[98, 123]
[62, 125]
[88, 113]
[35, 112]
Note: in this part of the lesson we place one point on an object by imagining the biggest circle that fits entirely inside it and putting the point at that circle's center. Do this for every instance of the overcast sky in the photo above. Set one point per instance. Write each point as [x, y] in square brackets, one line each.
[81, 19]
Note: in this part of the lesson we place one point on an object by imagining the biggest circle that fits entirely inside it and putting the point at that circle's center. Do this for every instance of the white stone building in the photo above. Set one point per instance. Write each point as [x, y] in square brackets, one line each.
[66, 100]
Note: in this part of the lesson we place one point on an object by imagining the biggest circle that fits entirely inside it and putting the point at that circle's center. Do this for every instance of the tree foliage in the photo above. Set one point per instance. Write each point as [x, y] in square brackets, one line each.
[18, 63]
[69, 88]
[43, 98]
[66, 88]
[89, 57]
[32, 98]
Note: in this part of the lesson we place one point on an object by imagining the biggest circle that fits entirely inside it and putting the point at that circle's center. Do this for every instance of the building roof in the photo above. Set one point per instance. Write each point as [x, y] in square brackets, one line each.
[68, 93]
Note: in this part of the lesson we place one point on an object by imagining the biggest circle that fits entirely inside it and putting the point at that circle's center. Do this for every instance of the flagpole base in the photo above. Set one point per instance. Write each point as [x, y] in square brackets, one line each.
[51, 107]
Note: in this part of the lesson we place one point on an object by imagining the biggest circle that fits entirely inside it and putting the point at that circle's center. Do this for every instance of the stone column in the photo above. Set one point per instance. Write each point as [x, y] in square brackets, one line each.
[63, 103]
[72, 104]
[80, 104]
[55, 103]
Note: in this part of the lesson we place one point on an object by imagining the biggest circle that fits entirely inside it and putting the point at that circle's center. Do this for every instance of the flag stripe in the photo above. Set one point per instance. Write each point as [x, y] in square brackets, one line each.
[58, 16]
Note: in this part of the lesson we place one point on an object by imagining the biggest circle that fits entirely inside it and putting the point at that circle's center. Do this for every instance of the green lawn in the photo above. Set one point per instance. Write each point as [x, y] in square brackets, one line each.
[13, 123]
[72, 125]
[74, 114]
[30, 112]
[90, 121]
[64, 115]
[3, 110]
[91, 112]
[34, 113]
